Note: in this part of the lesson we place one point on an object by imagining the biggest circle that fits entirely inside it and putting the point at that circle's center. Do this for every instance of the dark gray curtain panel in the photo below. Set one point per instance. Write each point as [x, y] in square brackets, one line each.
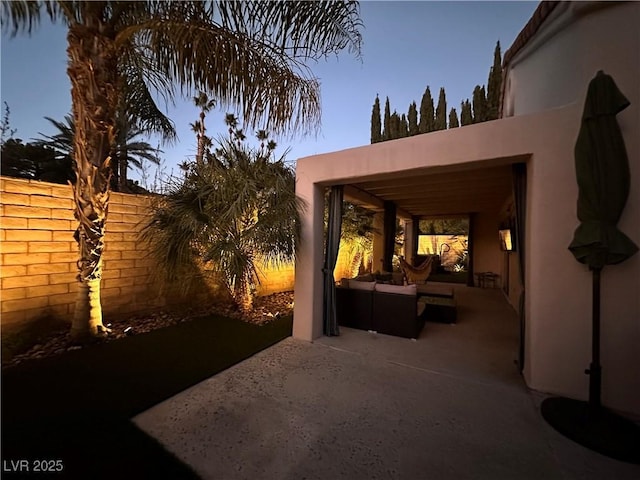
[519, 171]
[330, 322]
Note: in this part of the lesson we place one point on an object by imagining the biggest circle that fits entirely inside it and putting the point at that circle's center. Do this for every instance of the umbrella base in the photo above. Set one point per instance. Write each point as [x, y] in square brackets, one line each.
[598, 429]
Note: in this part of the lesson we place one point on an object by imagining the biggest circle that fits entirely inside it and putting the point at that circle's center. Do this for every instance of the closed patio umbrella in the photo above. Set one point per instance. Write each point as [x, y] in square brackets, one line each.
[602, 172]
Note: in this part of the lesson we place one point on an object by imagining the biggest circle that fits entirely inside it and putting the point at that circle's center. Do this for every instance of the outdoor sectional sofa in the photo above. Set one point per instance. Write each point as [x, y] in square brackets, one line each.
[382, 308]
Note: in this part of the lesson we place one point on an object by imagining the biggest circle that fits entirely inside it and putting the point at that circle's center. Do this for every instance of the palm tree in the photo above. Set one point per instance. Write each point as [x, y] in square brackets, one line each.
[205, 104]
[357, 233]
[246, 55]
[230, 214]
[128, 150]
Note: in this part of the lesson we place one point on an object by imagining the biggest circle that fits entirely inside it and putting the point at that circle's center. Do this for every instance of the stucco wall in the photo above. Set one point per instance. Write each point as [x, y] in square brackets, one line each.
[567, 51]
[487, 256]
[38, 257]
[554, 70]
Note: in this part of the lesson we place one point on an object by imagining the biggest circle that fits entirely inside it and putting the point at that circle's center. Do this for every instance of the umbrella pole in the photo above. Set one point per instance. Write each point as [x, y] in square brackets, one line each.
[595, 370]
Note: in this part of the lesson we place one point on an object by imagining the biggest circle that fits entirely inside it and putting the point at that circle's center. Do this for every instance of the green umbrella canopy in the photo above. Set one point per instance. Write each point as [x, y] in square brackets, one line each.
[602, 171]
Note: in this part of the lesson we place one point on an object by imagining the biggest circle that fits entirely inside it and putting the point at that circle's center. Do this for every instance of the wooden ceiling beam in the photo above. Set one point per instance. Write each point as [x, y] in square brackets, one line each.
[365, 199]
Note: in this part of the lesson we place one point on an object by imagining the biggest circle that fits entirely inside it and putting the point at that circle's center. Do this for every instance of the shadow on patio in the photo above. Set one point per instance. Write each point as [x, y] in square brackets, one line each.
[364, 406]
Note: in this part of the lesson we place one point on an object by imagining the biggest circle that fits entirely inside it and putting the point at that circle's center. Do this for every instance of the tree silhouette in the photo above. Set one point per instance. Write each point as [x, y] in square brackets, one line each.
[494, 85]
[427, 114]
[376, 126]
[441, 111]
[453, 118]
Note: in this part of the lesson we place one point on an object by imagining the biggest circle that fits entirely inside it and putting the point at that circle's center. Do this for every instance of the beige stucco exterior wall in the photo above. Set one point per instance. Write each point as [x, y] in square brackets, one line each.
[552, 71]
[557, 303]
[487, 256]
[578, 39]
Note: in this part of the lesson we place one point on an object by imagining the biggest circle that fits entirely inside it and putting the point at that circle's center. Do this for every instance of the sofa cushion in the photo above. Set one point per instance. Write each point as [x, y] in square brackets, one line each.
[402, 290]
[367, 277]
[382, 276]
[358, 285]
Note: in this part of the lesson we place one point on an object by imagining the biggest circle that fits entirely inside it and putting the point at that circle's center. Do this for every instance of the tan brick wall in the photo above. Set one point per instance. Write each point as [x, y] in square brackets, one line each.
[276, 279]
[38, 257]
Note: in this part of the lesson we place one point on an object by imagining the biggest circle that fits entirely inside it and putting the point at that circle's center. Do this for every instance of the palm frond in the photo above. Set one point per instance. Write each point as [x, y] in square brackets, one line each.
[61, 142]
[309, 30]
[136, 150]
[247, 67]
[141, 78]
[24, 15]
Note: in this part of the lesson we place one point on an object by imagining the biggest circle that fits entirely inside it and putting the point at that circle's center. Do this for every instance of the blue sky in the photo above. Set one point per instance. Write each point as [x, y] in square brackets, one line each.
[406, 46]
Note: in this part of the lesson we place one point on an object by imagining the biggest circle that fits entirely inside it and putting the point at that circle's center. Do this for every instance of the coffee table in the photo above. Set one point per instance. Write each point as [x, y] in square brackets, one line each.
[439, 309]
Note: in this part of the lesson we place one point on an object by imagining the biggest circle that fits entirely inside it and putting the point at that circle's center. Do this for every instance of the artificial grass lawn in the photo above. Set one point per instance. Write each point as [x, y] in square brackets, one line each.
[77, 407]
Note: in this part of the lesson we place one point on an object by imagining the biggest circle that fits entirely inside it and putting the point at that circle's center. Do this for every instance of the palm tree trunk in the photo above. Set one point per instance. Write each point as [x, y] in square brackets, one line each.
[199, 149]
[123, 165]
[244, 297]
[122, 131]
[200, 137]
[88, 306]
[93, 74]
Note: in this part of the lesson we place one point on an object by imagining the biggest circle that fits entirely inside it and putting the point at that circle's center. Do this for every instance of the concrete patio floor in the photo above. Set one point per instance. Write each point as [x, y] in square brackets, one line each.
[450, 405]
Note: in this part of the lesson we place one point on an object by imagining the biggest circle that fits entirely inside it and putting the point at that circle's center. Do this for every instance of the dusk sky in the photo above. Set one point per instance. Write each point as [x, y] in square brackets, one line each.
[406, 46]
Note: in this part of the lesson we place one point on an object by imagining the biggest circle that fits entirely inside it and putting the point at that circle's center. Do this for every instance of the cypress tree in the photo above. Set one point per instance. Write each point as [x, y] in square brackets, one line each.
[404, 126]
[427, 118]
[413, 119]
[479, 105]
[466, 117]
[376, 126]
[386, 133]
[453, 118]
[494, 85]
[394, 126]
[441, 111]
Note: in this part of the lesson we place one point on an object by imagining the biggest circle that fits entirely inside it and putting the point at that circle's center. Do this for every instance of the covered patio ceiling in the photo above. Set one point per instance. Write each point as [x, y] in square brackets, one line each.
[436, 192]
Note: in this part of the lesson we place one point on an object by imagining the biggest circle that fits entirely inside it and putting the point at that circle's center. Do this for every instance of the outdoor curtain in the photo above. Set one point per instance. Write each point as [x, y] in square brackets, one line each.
[416, 239]
[470, 245]
[389, 235]
[330, 322]
[519, 177]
